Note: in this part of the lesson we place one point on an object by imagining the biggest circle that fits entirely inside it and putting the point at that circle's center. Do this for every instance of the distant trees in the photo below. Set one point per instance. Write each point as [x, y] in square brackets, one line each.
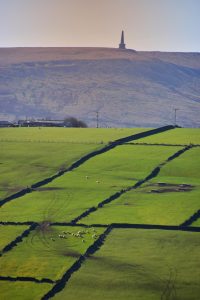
[74, 122]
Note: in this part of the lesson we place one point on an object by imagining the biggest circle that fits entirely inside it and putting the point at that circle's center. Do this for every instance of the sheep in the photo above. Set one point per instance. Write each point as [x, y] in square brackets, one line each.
[78, 235]
[97, 181]
[61, 236]
[86, 177]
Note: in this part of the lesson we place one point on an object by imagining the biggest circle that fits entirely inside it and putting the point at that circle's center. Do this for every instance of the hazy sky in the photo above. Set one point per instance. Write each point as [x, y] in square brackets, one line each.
[166, 25]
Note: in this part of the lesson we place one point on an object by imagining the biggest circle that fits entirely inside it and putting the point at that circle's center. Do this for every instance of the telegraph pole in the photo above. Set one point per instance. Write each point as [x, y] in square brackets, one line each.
[97, 116]
[175, 115]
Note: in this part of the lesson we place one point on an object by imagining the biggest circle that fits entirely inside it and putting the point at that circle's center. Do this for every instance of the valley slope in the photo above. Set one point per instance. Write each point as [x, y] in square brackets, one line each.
[128, 88]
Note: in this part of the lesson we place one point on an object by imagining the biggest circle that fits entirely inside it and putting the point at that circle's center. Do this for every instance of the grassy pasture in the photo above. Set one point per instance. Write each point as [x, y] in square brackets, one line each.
[9, 233]
[176, 136]
[184, 169]
[67, 135]
[132, 263]
[68, 196]
[142, 207]
[172, 207]
[28, 155]
[23, 290]
[25, 163]
[41, 257]
[140, 264]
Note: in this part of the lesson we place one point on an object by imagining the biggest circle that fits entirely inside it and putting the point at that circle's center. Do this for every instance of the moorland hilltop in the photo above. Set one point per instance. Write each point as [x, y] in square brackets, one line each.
[127, 87]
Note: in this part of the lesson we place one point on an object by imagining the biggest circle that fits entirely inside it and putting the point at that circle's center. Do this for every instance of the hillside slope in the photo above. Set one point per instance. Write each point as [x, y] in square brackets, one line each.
[128, 88]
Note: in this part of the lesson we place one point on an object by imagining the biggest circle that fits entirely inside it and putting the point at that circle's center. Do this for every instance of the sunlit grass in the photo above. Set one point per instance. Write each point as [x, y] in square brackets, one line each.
[140, 264]
[97, 179]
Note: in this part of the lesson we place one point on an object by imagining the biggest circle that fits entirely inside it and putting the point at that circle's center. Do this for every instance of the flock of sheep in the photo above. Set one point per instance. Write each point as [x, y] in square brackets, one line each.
[79, 234]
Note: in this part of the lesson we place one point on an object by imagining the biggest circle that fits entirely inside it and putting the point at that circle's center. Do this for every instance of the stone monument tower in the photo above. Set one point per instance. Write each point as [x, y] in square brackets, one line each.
[122, 45]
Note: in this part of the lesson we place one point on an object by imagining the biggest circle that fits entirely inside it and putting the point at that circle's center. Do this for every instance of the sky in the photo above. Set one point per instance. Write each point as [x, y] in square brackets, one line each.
[163, 25]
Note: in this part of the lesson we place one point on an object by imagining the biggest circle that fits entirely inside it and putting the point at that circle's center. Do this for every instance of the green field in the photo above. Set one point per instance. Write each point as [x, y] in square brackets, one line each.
[136, 264]
[141, 207]
[176, 136]
[139, 264]
[28, 155]
[69, 195]
[67, 135]
[184, 169]
[9, 233]
[17, 174]
[22, 290]
[41, 257]
[165, 204]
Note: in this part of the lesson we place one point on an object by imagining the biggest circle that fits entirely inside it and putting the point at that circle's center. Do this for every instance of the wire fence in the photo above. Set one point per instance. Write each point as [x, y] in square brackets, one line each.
[52, 141]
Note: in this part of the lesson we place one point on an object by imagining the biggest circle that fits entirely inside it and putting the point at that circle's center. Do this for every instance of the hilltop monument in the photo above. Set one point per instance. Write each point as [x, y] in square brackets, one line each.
[122, 45]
